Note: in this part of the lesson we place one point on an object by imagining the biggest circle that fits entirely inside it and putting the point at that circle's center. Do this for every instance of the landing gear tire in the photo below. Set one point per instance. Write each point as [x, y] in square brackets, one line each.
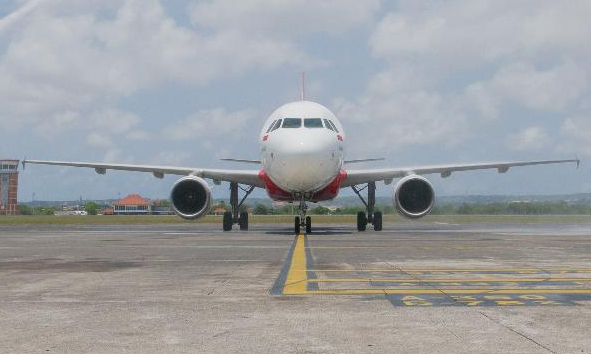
[377, 221]
[308, 225]
[361, 221]
[227, 221]
[297, 225]
[243, 221]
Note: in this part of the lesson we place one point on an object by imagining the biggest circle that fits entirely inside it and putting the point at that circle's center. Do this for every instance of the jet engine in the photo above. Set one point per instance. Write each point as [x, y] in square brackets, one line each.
[413, 196]
[191, 197]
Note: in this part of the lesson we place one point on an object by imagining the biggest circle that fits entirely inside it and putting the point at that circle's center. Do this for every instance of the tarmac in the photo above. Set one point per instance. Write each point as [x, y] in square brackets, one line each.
[191, 288]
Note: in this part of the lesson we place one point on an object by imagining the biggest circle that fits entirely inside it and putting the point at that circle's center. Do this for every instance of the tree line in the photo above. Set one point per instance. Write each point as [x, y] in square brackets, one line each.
[510, 208]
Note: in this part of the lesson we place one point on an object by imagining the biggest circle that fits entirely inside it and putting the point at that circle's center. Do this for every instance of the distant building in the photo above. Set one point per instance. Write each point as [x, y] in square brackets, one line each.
[133, 204]
[219, 210]
[108, 211]
[8, 187]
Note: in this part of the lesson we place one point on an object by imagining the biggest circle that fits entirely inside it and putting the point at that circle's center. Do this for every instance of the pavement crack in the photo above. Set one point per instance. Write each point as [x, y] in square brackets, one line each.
[425, 283]
[518, 333]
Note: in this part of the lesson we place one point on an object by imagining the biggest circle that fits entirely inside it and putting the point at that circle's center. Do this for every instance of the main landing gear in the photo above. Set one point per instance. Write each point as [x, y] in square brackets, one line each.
[303, 221]
[235, 216]
[371, 217]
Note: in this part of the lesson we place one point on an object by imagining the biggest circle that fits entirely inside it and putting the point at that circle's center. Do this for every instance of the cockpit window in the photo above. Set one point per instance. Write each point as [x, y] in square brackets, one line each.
[313, 123]
[271, 126]
[292, 122]
[327, 125]
[333, 126]
[277, 125]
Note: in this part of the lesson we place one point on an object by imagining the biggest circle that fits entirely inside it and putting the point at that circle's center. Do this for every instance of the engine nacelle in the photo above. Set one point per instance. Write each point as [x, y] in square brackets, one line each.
[191, 197]
[413, 196]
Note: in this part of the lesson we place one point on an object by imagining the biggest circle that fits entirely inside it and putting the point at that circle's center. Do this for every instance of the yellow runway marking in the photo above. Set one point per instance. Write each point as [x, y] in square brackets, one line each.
[447, 280]
[495, 288]
[459, 270]
[445, 291]
[295, 283]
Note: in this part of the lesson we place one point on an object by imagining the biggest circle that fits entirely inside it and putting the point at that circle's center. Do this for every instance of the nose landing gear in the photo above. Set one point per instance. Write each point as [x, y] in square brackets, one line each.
[372, 217]
[303, 221]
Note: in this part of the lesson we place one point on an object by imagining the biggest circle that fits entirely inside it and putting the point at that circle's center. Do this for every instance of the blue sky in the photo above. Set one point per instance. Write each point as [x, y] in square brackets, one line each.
[188, 82]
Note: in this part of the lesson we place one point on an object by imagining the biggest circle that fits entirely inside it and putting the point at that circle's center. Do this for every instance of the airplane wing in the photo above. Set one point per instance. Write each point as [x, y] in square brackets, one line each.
[250, 177]
[355, 177]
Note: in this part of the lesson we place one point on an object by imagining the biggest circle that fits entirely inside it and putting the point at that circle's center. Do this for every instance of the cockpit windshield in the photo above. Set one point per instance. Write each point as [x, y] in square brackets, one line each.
[292, 123]
[313, 123]
[333, 126]
[277, 125]
[271, 126]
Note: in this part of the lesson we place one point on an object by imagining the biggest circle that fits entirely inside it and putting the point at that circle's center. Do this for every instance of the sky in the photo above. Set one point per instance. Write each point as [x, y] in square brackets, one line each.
[189, 82]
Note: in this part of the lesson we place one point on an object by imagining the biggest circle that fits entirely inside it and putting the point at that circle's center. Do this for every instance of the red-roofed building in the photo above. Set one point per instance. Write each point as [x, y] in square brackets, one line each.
[133, 204]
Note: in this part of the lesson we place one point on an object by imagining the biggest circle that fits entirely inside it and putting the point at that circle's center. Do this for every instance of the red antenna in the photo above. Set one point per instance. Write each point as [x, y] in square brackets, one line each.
[303, 86]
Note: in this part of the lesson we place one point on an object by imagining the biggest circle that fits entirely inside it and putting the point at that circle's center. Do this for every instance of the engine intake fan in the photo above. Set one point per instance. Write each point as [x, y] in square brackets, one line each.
[413, 196]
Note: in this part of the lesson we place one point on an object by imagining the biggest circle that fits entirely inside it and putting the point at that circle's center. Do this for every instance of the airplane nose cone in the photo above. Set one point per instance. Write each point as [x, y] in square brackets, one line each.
[306, 164]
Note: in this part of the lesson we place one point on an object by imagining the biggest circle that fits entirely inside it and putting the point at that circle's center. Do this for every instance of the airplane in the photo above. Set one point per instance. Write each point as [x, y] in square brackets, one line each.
[302, 161]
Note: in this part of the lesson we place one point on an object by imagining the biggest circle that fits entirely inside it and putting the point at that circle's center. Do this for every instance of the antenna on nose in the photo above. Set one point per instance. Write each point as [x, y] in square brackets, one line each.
[303, 86]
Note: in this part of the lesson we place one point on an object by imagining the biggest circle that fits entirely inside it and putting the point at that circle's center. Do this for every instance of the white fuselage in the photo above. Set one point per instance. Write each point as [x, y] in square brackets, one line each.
[304, 152]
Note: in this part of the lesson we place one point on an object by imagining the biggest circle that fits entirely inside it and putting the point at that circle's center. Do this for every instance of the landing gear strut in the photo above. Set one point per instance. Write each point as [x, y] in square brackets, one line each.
[303, 221]
[373, 217]
[235, 216]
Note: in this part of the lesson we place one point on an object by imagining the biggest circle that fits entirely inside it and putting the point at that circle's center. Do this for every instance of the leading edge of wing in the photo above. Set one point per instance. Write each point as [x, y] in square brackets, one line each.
[250, 177]
[355, 177]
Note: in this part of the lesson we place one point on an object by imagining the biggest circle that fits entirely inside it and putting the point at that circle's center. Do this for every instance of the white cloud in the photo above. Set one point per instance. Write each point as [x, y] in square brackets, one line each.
[529, 139]
[99, 140]
[210, 123]
[286, 18]
[58, 123]
[453, 66]
[138, 135]
[460, 35]
[113, 121]
[63, 58]
[171, 158]
[403, 121]
[576, 136]
[551, 90]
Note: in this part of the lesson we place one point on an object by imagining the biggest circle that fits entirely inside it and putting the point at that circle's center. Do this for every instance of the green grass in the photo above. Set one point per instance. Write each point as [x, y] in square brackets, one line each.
[287, 219]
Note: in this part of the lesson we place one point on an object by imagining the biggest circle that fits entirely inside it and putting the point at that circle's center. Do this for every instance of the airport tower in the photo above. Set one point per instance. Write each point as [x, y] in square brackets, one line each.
[8, 187]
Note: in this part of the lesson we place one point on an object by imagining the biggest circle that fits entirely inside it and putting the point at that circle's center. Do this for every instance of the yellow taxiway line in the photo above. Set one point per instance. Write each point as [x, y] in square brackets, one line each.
[455, 270]
[296, 281]
[447, 280]
[444, 291]
[297, 275]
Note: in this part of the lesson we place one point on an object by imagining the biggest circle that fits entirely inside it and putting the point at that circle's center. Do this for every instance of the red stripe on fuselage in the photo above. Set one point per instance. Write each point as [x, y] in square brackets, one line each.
[329, 192]
[273, 190]
[332, 190]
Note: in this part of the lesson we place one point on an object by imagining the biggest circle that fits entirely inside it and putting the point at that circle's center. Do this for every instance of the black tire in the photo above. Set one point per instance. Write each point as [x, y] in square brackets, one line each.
[243, 221]
[308, 225]
[361, 221]
[227, 221]
[297, 225]
[377, 221]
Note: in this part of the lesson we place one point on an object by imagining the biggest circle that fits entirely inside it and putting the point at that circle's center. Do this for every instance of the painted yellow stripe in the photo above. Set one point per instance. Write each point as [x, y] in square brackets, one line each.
[296, 281]
[444, 291]
[447, 280]
[419, 270]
